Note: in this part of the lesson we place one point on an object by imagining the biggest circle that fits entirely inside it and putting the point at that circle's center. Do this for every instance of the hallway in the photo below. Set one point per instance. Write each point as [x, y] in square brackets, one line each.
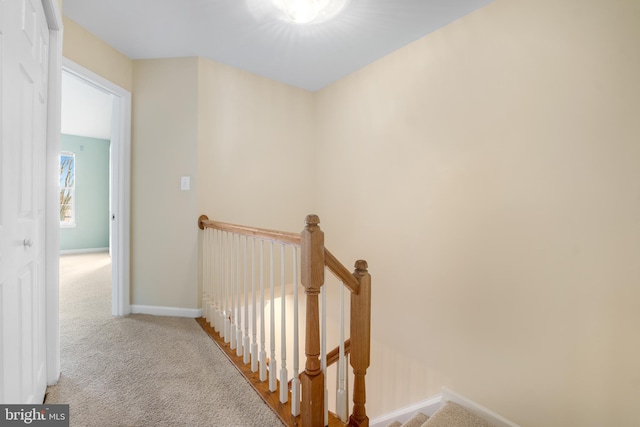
[141, 370]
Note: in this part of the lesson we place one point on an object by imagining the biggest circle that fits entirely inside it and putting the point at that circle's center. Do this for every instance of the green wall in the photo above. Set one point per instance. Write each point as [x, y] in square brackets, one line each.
[92, 194]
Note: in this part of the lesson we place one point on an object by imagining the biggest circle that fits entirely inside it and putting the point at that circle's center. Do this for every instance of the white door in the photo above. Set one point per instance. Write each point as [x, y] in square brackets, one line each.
[24, 44]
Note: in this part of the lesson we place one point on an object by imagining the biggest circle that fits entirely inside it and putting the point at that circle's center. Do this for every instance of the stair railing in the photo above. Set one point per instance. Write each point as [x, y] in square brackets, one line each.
[234, 273]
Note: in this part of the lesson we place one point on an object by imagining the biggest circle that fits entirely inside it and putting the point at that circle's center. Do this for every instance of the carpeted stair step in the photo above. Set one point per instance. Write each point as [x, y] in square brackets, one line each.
[454, 415]
[449, 415]
[416, 421]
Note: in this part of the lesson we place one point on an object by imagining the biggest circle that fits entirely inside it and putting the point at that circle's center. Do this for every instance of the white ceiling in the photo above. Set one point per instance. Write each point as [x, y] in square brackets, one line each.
[252, 34]
[86, 110]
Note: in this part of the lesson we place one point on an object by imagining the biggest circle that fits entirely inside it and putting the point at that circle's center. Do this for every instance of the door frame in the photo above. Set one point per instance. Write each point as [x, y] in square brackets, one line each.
[52, 191]
[120, 177]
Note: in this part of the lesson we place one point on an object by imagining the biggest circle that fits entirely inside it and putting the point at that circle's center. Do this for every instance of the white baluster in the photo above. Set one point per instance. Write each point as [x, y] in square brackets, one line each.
[263, 351]
[232, 289]
[323, 351]
[238, 310]
[219, 325]
[227, 280]
[223, 280]
[218, 278]
[247, 340]
[204, 267]
[254, 331]
[214, 269]
[214, 272]
[212, 281]
[273, 364]
[295, 382]
[284, 375]
[341, 396]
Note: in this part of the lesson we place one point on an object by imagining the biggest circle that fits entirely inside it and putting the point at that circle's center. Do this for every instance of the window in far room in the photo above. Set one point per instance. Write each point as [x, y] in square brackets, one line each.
[67, 189]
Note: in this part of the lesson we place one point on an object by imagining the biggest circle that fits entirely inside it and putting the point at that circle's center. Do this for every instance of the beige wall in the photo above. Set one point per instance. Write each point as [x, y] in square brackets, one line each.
[216, 124]
[84, 48]
[255, 152]
[243, 139]
[164, 148]
[489, 173]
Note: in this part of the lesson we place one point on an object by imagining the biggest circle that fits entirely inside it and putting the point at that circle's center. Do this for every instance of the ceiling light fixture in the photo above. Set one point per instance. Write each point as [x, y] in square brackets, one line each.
[310, 11]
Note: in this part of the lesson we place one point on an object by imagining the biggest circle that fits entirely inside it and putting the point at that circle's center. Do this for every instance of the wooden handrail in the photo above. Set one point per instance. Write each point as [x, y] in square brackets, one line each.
[334, 355]
[315, 258]
[341, 272]
[262, 233]
[331, 262]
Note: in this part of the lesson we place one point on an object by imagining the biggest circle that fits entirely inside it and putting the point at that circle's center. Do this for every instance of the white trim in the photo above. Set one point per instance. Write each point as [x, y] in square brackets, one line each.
[166, 311]
[432, 404]
[52, 192]
[120, 183]
[428, 407]
[83, 251]
[491, 417]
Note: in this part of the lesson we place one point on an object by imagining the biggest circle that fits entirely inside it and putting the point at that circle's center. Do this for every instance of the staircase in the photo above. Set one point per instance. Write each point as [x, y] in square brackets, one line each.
[449, 415]
[241, 288]
[245, 273]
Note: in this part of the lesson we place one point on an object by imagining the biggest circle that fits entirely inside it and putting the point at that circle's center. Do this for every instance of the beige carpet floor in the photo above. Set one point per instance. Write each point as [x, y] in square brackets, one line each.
[141, 370]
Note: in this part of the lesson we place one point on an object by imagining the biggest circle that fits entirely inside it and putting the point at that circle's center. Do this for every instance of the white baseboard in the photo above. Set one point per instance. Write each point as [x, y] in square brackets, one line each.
[82, 251]
[166, 311]
[491, 417]
[431, 405]
[428, 407]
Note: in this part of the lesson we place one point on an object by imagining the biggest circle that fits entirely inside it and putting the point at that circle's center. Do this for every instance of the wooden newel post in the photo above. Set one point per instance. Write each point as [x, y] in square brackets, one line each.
[312, 268]
[360, 343]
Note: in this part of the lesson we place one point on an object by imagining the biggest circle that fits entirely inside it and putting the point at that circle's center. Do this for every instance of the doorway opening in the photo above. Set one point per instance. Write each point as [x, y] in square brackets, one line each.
[108, 139]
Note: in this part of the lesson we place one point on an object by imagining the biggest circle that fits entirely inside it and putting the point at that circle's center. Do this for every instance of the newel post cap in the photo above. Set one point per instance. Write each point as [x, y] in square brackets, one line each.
[361, 265]
[200, 221]
[312, 220]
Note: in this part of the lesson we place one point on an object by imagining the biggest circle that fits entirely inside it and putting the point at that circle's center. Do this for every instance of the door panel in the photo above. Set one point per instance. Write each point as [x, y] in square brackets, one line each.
[27, 356]
[23, 106]
[25, 185]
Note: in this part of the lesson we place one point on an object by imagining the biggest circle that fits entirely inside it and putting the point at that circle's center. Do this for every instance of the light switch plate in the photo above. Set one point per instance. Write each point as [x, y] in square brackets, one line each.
[185, 183]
